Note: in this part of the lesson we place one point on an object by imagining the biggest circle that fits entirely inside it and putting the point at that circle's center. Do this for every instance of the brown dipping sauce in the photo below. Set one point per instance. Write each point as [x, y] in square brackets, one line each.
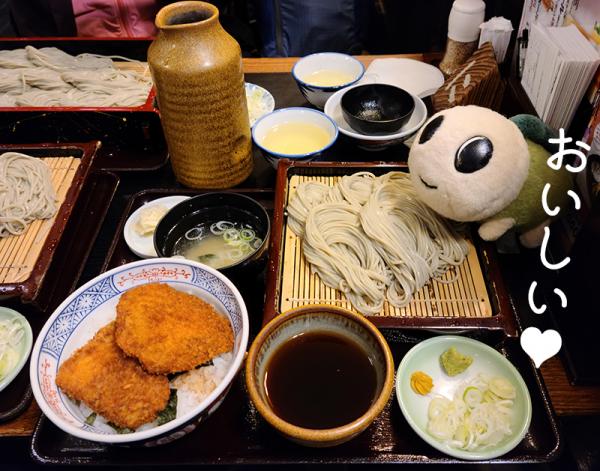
[320, 380]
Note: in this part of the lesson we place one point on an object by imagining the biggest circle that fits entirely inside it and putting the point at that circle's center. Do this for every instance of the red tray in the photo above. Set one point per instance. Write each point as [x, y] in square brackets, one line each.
[132, 136]
[28, 289]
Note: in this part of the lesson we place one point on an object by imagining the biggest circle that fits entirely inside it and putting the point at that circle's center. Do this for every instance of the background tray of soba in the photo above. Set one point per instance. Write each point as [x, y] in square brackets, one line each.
[476, 299]
[25, 259]
[132, 137]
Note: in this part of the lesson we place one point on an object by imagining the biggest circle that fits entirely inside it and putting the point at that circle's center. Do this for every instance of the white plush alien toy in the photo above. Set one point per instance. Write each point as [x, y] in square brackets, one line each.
[472, 164]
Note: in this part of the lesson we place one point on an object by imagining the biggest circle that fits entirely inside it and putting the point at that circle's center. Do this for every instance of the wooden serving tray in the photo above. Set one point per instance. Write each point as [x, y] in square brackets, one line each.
[25, 259]
[477, 299]
[236, 434]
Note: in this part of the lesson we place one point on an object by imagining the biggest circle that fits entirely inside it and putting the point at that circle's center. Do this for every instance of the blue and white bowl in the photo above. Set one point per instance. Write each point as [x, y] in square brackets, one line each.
[288, 115]
[93, 306]
[318, 95]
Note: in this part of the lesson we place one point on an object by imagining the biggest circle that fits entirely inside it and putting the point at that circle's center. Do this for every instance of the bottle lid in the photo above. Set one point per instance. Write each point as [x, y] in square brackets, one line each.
[464, 20]
[469, 6]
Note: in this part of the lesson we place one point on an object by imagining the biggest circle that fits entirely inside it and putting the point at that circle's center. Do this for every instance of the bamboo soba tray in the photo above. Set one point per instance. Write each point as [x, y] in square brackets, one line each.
[24, 259]
[477, 299]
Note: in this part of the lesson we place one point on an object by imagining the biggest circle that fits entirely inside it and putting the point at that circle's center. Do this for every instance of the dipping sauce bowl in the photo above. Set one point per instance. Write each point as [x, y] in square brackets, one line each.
[338, 349]
[377, 108]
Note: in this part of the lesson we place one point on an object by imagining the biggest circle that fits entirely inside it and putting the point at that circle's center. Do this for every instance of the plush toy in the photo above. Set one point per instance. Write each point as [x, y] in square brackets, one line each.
[472, 164]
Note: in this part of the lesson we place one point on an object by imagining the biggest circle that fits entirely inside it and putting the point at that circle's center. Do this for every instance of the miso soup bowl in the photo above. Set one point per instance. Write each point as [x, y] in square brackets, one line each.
[293, 115]
[209, 207]
[310, 319]
[318, 95]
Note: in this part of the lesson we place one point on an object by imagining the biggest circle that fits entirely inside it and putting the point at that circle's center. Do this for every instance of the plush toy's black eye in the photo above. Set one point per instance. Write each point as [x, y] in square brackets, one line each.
[473, 154]
[430, 129]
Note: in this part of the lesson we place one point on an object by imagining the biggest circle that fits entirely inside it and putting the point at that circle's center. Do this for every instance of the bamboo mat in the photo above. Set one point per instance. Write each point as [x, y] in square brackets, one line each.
[140, 67]
[465, 297]
[18, 254]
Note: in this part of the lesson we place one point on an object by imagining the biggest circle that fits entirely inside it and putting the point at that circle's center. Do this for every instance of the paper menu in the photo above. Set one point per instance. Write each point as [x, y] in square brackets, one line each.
[559, 66]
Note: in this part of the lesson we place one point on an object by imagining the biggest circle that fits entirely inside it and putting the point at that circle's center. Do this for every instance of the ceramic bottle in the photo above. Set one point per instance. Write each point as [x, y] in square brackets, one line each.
[197, 71]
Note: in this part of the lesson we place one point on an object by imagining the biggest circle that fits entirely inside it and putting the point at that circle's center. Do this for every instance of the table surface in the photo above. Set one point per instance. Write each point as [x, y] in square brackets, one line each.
[566, 398]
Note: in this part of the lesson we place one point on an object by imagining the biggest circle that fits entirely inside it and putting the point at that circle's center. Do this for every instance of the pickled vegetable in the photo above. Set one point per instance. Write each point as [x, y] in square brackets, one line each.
[421, 383]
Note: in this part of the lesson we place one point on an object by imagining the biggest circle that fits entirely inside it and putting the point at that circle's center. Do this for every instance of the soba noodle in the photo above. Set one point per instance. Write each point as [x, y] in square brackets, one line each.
[26, 192]
[51, 77]
[371, 238]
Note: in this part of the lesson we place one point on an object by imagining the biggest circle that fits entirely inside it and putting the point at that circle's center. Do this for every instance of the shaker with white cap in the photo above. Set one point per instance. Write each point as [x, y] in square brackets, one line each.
[463, 32]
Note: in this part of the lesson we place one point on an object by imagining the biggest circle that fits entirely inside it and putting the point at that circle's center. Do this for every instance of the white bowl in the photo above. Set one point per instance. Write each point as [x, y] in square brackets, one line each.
[143, 246]
[265, 103]
[288, 115]
[24, 347]
[316, 94]
[93, 305]
[333, 109]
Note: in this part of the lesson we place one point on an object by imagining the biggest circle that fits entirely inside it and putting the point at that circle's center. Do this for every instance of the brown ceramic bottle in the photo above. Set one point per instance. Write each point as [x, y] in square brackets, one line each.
[197, 70]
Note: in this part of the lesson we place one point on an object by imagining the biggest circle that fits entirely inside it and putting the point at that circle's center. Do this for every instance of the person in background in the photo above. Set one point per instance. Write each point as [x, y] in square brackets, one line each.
[115, 18]
[112, 19]
[85, 18]
[301, 27]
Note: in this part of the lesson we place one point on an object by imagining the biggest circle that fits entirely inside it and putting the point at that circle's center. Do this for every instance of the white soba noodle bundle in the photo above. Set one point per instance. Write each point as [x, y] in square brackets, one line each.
[26, 192]
[51, 77]
[371, 238]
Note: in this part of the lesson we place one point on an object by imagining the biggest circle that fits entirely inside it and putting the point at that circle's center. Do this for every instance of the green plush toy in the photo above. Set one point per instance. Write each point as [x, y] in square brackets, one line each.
[472, 164]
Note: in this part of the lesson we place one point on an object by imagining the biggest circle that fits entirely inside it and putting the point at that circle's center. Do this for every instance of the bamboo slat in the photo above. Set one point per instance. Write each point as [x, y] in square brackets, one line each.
[465, 297]
[18, 254]
[140, 67]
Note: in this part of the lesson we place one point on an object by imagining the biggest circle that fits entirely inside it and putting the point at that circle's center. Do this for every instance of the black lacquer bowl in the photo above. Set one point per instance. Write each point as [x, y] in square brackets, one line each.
[214, 207]
[377, 108]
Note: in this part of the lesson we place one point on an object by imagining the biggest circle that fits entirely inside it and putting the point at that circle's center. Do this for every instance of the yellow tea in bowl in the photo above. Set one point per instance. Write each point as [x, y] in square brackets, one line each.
[328, 78]
[295, 137]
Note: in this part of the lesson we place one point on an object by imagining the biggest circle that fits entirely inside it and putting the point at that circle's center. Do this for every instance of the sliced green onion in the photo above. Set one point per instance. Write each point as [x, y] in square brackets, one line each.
[231, 235]
[247, 234]
[194, 233]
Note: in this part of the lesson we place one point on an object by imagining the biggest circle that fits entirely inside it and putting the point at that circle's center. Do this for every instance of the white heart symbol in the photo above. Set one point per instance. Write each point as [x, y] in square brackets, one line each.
[540, 346]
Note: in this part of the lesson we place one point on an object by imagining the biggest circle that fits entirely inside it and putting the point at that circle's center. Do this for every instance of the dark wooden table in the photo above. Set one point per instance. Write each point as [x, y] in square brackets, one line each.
[567, 399]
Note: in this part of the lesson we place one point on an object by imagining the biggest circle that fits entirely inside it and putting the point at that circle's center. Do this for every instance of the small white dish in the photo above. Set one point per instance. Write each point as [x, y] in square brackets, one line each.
[414, 76]
[143, 246]
[24, 346]
[333, 109]
[260, 102]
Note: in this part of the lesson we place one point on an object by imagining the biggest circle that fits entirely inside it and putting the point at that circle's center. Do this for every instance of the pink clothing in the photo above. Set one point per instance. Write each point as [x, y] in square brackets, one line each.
[115, 18]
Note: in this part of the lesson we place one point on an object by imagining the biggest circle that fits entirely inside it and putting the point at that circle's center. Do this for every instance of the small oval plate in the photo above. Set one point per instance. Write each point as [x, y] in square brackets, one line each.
[143, 246]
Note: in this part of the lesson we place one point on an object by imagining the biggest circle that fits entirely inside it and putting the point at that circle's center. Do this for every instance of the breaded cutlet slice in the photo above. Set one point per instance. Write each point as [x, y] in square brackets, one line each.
[170, 331]
[112, 384]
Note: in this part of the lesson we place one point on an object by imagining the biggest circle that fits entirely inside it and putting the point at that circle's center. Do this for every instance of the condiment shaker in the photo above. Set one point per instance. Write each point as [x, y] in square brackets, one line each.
[463, 32]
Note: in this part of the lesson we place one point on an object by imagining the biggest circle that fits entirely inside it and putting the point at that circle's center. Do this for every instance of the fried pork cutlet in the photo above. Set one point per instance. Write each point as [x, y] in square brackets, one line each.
[113, 385]
[170, 331]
